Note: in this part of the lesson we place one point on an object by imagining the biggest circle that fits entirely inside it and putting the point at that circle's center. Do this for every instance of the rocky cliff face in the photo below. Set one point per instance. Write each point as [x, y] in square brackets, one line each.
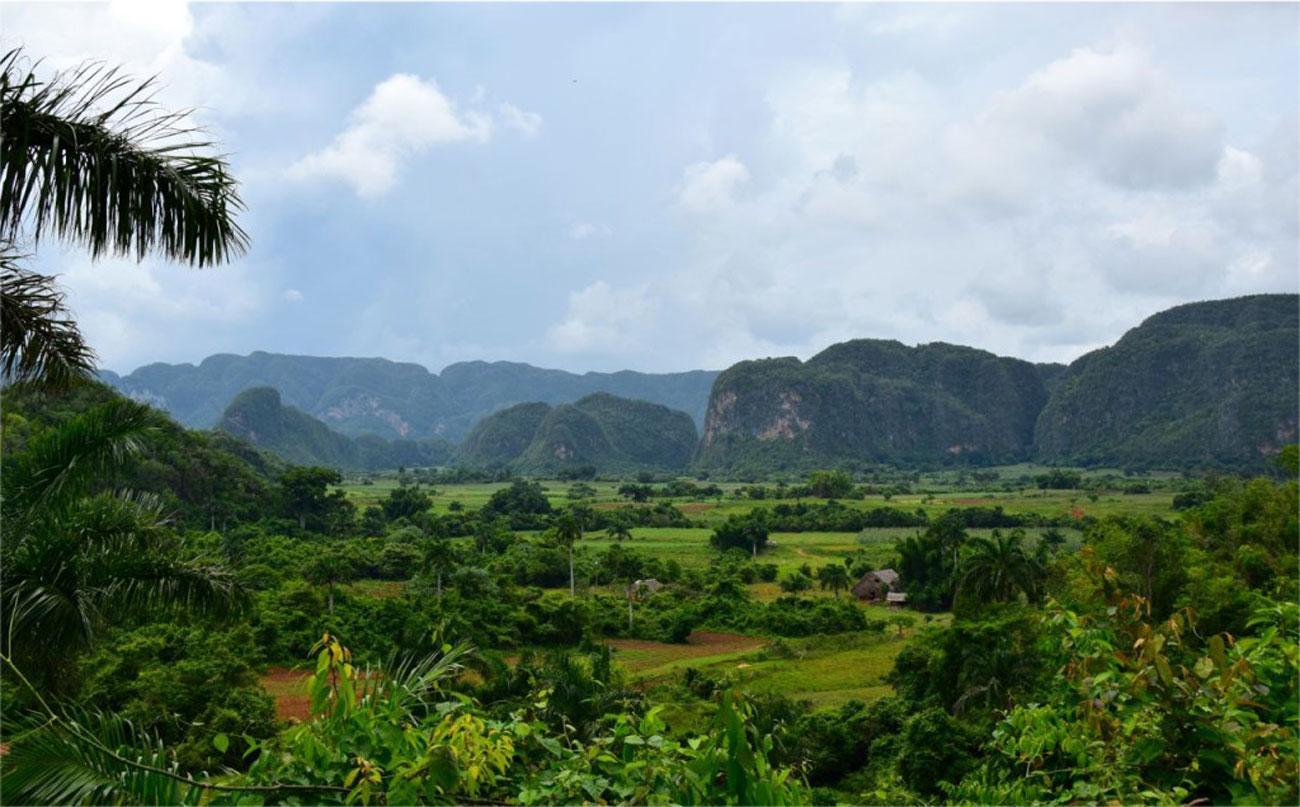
[259, 416]
[872, 401]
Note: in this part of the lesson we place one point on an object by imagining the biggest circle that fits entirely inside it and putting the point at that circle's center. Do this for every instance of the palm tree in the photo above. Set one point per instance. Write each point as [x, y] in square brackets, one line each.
[438, 558]
[998, 569]
[39, 341]
[619, 531]
[73, 555]
[567, 531]
[89, 157]
[835, 577]
[328, 570]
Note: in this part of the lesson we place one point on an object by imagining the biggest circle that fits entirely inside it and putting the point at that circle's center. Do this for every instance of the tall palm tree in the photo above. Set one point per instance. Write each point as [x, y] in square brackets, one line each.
[439, 555]
[329, 569]
[998, 569]
[567, 531]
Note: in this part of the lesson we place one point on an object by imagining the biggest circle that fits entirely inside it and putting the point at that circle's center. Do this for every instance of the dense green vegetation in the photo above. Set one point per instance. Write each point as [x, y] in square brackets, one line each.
[1202, 385]
[392, 399]
[601, 433]
[258, 416]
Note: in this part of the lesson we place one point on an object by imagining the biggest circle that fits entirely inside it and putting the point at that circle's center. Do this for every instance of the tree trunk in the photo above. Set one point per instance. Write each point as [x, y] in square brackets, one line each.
[753, 545]
[331, 598]
[302, 521]
[629, 605]
[440, 584]
[572, 589]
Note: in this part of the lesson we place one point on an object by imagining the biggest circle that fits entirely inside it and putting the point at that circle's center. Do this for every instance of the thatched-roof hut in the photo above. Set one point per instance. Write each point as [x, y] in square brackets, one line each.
[874, 586]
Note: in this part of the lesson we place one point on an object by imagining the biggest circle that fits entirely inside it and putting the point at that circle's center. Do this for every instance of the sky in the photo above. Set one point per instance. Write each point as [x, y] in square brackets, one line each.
[672, 187]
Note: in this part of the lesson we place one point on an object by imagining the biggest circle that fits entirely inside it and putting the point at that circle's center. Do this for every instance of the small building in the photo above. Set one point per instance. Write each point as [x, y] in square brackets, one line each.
[896, 599]
[874, 586]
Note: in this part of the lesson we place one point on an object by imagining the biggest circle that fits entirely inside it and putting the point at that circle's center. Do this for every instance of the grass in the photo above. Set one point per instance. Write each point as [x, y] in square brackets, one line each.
[934, 494]
[647, 659]
[826, 671]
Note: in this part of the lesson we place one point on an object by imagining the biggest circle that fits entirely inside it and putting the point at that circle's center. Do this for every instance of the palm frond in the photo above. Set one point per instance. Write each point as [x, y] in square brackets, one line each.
[90, 156]
[86, 757]
[39, 340]
[412, 680]
[106, 555]
[61, 465]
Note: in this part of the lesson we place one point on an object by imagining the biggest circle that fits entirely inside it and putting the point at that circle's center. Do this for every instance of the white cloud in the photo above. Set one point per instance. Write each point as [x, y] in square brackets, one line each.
[403, 116]
[122, 305]
[291, 296]
[1117, 112]
[583, 230]
[1041, 218]
[526, 123]
[710, 187]
[603, 320]
[143, 38]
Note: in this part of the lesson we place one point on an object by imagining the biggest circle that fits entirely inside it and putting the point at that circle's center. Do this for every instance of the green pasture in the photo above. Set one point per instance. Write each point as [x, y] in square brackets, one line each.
[934, 497]
[827, 671]
[788, 550]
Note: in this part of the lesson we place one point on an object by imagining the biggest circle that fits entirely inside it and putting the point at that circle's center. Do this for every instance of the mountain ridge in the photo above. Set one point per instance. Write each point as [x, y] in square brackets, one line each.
[394, 400]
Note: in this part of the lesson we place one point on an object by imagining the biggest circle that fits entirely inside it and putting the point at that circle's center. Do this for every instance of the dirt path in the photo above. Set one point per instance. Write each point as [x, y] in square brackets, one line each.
[289, 689]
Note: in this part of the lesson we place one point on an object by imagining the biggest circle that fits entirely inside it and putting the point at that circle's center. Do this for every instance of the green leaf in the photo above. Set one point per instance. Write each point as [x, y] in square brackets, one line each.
[221, 742]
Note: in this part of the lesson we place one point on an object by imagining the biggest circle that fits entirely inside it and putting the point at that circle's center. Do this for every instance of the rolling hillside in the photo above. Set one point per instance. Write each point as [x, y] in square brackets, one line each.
[601, 430]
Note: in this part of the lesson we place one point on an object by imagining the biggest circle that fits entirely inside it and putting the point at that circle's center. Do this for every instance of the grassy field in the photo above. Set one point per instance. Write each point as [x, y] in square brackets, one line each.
[934, 499]
[826, 671]
[788, 550]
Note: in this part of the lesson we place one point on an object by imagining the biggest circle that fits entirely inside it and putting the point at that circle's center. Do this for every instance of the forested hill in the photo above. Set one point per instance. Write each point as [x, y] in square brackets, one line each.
[600, 431]
[259, 416]
[1210, 384]
[1205, 384]
[873, 401]
[392, 399]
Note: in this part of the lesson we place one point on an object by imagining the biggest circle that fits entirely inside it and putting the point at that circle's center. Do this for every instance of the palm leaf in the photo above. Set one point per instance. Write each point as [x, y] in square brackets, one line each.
[411, 680]
[108, 554]
[39, 341]
[85, 757]
[60, 466]
[89, 156]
